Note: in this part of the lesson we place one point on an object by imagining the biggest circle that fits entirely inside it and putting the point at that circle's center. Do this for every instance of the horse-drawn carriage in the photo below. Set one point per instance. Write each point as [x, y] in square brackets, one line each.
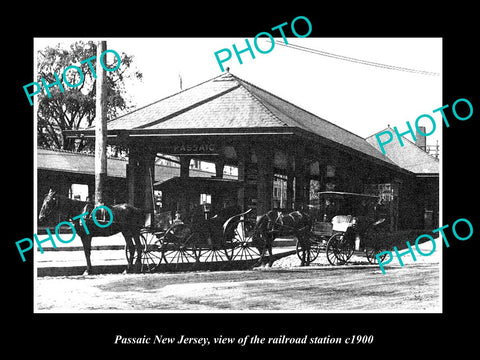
[343, 223]
[225, 237]
[199, 223]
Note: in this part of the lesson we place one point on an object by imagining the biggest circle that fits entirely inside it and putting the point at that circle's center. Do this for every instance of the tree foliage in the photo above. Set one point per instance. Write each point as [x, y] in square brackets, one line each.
[74, 108]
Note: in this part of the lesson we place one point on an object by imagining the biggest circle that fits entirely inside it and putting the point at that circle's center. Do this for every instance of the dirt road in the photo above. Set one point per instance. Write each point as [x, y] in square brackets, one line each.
[413, 288]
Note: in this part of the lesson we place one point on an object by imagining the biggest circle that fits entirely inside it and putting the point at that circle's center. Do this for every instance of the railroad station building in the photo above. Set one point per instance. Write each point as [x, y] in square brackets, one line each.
[72, 174]
[274, 145]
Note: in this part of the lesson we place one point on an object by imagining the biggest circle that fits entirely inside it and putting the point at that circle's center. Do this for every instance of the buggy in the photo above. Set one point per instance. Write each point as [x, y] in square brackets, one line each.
[344, 223]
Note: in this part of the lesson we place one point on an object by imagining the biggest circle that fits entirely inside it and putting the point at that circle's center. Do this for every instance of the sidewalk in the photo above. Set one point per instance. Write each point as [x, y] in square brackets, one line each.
[107, 255]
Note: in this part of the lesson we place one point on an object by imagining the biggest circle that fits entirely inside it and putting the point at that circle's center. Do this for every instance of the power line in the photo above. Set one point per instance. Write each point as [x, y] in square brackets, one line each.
[355, 60]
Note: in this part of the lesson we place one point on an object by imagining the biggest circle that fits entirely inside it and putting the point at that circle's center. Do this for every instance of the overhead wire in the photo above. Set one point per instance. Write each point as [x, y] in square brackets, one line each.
[355, 60]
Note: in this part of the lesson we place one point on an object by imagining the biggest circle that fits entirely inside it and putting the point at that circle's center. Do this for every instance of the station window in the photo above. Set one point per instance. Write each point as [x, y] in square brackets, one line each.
[314, 190]
[158, 199]
[195, 164]
[330, 171]
[205, 199]
[280, 191]
[78, 192]
[206, 203]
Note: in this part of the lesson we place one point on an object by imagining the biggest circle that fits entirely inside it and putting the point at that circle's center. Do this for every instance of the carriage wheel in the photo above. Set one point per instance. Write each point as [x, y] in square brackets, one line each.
[214, 250]
[214, 253]
[151, 252]
[179, 253]
[177, 246]
[308, 250]
[372, 252]
[240, 239]
[339, 249]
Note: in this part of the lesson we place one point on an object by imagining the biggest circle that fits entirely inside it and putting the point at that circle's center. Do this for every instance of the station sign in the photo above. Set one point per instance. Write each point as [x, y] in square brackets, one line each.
[193, 149]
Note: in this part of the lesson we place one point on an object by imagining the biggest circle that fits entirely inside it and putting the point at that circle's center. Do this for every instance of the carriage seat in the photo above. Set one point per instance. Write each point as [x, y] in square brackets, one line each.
[342, 222]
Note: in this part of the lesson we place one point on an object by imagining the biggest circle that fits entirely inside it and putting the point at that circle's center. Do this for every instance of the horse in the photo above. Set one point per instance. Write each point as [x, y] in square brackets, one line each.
[274, 224]
[127, 219]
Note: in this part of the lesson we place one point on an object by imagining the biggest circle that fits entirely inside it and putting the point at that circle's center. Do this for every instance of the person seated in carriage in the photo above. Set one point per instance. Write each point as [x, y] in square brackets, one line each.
[215, 223]
[209, 230]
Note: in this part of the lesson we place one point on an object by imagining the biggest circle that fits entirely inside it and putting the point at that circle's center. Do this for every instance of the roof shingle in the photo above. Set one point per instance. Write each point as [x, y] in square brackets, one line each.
[409, 156]
[227, 101]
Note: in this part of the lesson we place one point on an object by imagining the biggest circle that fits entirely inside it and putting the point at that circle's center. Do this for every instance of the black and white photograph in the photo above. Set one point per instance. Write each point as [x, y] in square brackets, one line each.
[262, 187]
[269, 184]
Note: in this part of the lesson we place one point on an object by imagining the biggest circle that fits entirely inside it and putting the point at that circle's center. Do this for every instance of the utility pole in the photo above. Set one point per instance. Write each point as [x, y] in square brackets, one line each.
[100, 128]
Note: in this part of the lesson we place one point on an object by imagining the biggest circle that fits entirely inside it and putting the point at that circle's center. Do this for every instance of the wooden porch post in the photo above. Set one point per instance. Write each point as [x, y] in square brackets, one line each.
[301, 180]
[132, 171]
[242, 153]
[148, 170]
[140, 177]
[219, 166]
[185, 166]
[290, 176]
[264, 181]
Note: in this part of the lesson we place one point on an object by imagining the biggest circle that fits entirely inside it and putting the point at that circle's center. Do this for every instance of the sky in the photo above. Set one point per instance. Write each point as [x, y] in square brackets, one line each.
[359, 98]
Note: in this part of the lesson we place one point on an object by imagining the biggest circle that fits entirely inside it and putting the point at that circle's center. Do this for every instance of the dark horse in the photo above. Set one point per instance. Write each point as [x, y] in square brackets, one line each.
[127, 219]
[275, 224]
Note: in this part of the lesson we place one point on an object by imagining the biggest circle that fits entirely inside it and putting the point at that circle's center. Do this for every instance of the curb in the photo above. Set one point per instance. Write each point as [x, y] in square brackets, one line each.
[162, 268]
[278, 243]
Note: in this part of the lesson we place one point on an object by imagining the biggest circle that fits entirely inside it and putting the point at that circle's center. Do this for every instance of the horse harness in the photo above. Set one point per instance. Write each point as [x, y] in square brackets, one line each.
[279, 221]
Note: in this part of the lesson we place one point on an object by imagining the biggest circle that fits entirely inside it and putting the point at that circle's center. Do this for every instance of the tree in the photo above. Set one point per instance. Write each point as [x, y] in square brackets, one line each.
[74, 108]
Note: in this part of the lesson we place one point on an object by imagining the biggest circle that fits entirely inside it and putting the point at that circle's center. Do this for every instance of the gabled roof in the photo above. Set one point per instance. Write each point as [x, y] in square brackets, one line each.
[227, 102]
[293, 116]
[218, 103]
[409, 156]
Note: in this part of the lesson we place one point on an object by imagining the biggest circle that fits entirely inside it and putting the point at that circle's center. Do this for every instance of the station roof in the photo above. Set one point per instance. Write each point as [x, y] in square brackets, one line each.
[74, 162]
[409, 156]
[63, 161]
[227, 104]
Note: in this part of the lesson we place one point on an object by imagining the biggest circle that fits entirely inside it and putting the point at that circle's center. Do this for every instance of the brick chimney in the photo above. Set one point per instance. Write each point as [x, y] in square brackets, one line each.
[421, 140]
